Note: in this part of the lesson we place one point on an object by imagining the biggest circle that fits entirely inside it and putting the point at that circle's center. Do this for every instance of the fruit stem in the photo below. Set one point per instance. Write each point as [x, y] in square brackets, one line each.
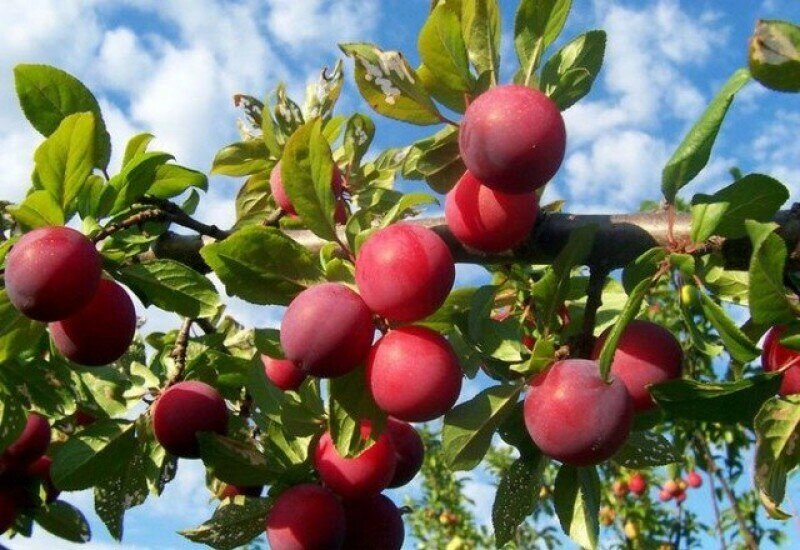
[594, 299]
[179, 351]
[273, 219]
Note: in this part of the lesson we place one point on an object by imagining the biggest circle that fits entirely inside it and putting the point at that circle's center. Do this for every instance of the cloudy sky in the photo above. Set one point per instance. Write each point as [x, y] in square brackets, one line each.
[170, 67]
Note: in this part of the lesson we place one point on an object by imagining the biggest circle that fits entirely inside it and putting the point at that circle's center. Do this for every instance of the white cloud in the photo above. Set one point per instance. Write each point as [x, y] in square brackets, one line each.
[776, 150]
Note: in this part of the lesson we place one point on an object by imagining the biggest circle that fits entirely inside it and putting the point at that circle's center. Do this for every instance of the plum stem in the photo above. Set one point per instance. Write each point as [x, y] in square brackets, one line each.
[179, 351]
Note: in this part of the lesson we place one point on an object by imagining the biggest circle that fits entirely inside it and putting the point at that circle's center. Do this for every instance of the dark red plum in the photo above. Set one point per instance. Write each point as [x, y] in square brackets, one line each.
[306, 517]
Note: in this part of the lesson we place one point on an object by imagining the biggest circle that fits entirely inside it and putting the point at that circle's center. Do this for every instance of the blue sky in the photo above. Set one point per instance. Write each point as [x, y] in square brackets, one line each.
[171, 66]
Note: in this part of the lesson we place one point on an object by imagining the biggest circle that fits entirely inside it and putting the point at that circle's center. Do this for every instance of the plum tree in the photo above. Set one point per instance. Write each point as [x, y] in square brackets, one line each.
[31, 444]
[306, 516]
[231, 491]
[373, 523]
[646, 354]
[282, 198]
[421, 267]
[409, 449]
[776, 356]
[40, 469]
[101, 331]
[513, 138]
[574, 416]
[283, 373]
[184, 410]
[488, 219]
[418, 389]
[369, 473]
[327, 330]
[637, 484]
[51, 273]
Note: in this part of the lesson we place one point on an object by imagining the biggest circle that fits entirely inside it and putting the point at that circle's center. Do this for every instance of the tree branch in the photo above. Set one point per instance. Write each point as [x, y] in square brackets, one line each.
[620, 239]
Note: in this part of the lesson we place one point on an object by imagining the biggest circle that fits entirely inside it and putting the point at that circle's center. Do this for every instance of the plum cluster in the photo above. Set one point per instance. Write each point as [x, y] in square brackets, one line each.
[24, 469]
[348, 510]
[575, 416]
[676, 488]
[512, 140]
[54, 275]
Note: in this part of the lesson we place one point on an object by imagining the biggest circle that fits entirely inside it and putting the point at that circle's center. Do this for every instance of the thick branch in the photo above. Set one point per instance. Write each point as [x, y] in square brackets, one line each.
[620, 239]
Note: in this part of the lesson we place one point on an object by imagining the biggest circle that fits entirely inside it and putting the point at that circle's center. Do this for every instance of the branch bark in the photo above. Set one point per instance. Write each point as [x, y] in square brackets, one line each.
[620, 239]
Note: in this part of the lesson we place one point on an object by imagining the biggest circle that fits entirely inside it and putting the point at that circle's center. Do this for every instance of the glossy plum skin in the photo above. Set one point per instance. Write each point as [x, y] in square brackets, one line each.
[646, 354]
[775, 356]
[573, 416]
[282, 198]
[283, 373]
[40, 469]
[327, 330]
[487, 219]
[373, 524]
[31, 444]
[51, 273]
[637, 484]
[230, 491]
[306, 517]
[409, 450]
[101, 331]
[513, 138]
[404, 272]
[364, 475]
[694, 480]
[413, 374]
[8, 509]
[183, 411]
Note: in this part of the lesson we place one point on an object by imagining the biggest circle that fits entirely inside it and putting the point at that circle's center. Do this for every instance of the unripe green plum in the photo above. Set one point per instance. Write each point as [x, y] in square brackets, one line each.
[101, 331]
[364, 475]
[513, 138]
[283, 373]
[646, 354]
[487, 219]
[183, 411]
[51, 273]
[777, 356]
[373, 523]
[409, 449]
[574, 416]
[327, 330]
[413, 374]
[306, 517]
[404, 272]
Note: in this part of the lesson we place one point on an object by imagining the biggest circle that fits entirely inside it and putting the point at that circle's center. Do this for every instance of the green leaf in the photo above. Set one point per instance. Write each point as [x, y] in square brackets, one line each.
[777, 428]
[775, 55]
[767, 293]
[390, 85]
[538, 23]
[455, 305]
[351, 402]
[13, 417]
[172, 286]
[469, 426]
[321, 96]
[306, 172]
[136, 146]
[569, 74]
[172, 180]
[442, 48]
[646, 449]
[136, 178]
[723, 402]
[753, 197]
[437, 160]
[39, 209]
[643, 267]
[17, 332]
[241, 159]
[252, 200]
[406, 206]
[358, 136]
[542, 355]
[694, 151]
[235, 523]
[287, 113]
[92, 455]
[629, 312]
[64, 521]
[49, 95]
[517, 494]
[234, 461]
[736, 342]
[577, 502]
[480, 21]
[64, 160]
[498, 339]
[262, 265]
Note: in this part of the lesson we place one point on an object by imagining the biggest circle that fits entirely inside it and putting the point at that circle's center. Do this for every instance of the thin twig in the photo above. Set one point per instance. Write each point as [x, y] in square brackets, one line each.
[177, 216]
[179, 351]
[206, 326]
[273, 218]
[149, 215]
[717, 518]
